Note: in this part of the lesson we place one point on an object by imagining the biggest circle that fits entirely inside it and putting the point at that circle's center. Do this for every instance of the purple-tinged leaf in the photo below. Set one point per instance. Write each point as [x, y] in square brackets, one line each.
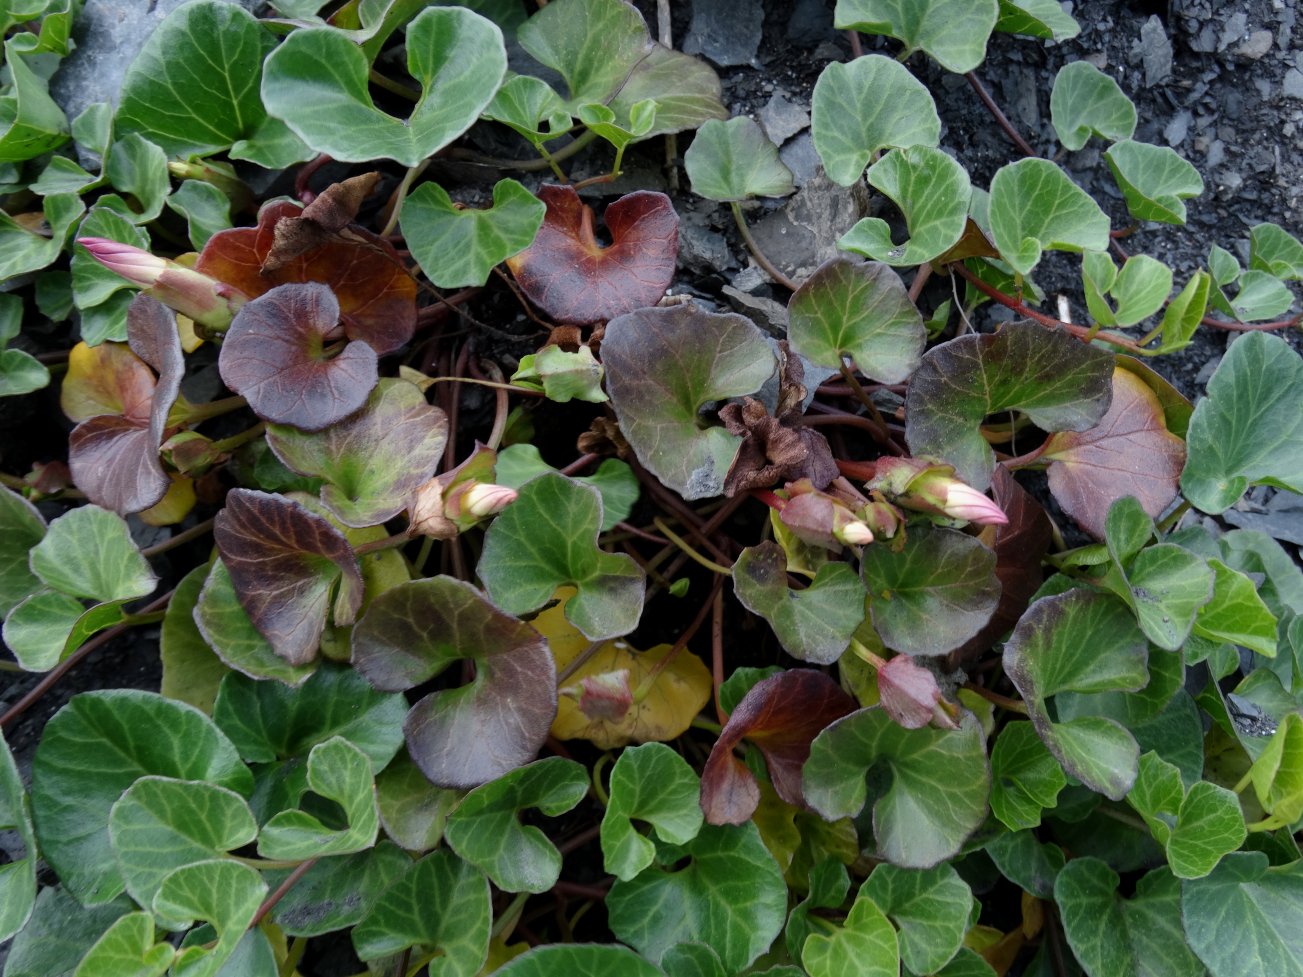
[466, 736]
[908, 692]
[274, 356]
[283, 561]
[781, 715]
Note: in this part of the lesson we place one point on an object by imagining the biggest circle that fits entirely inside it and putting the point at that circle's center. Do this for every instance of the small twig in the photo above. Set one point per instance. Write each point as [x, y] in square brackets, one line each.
[400, 195]
[579, 464]
[525, 165]
[393, 87]
[579, 890]
[1252, 326]
[756, 253]
[185, 536]
[281, 890]
[644, 687]
[998, 114]
[857, 48]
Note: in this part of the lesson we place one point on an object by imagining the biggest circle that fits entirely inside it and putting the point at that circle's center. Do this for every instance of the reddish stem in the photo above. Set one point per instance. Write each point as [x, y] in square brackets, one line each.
[863, 471]
[1252, 326]
[290, 882]
[998, 114]
[717, 651]
[306, 172]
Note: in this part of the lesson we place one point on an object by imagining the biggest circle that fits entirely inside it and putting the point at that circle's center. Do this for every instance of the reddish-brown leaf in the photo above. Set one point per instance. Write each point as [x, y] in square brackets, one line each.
[1129, 452]
[106, 379]
[283, 561]
[568, 274]
[274, 356]
[1019, 546]
[908, 692]
[781, 715]
[376, 295]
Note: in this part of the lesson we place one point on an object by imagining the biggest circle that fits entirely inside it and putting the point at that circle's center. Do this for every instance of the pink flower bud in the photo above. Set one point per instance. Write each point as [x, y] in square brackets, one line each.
[854, 533]
[965, 502]
[485, 499]
[136, 266]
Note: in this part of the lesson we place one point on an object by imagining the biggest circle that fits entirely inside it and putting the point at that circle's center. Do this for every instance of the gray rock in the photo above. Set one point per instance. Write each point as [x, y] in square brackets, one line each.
[782, 119]
[801, 236]
[1176, 130]
[725, 31]
[1236, 27]
[810, 23]
[702, 249]
[769, 315]
[1294, 83]
[1279, 522]
[1157, 52]
[800, 156]
[1257, 45]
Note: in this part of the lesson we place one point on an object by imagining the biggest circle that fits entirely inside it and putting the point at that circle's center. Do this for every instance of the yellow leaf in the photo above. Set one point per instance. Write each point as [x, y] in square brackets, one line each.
[174, 506]
[106, 379]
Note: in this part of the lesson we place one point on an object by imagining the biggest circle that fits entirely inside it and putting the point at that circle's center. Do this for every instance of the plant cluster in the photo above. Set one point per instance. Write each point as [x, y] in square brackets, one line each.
[433, 694]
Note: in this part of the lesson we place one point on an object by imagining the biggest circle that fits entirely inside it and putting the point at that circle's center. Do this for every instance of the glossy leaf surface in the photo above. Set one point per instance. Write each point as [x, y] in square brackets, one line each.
[1025, 778]
[654, 785]
[865, 944]
[225, 627]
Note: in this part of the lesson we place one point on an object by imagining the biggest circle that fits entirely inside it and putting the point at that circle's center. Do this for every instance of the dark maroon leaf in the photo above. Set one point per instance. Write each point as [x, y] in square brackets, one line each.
[774, 449]
[781, 715]
[114, 458]
[377, 296]
[1019, 546]
[568, 274]
[274, 356]
[319, 222]
[283, 561]
[466, 736]
[908, 692]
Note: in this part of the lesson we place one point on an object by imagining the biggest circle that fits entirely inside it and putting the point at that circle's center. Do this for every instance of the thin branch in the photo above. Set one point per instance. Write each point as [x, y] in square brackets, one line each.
[1252, 326]
[185, 536]
[997, 113]
[276, 896]
[756, 253]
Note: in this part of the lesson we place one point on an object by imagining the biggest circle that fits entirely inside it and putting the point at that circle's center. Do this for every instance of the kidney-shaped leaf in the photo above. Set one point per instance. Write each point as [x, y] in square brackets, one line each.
[1085, 102]
[1249, 429]
[1037, 18]
[735, 160]
[954, 32]
[375, 293]
[127, 948]
[573, 278]
[1196, 827]
[939, 782]
[1036, 208]
[1155, 180]
[814, 624]
[579, 960]
[542, 541]
[467, 736]
[1059, 383]
[223, 892]
[731, 896]
[662, 367]
[94, 749]
[865, 944]
[1025, 778]
[373, 461]
[457, 247]
[930, 907]
[650, 783]
[781, 715]
[1130, 452]
[1246, 919]
[316, 82]
[485, 828]
[340, 772]
[593, 44]
[1045, 655]
[339, 892]
[88, 552]
[931, 189]
[864, 107]
[283, 561]
[274, 356]
[859, 309]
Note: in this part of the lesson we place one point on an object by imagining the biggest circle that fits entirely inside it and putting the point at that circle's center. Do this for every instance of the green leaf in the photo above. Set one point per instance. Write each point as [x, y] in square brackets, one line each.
[127, 949]
[686, 91]
[1059, 383]
[1277, 252]
[23, 251]
[857, 309]
[865, 944]
[192, 673]
[375, 460]
[1245, 919]
[735, 160]
[441, 903]
[524, 103]
[1026, 862]
[193, 88]
[1167, 585]
[272, 146]
[486, 830]
[138, 168]
[1260, 296]
[939, 783]
[1184, 313]
[938, 591]
[412, 810]
[730, 896]
[653, 784]
[692, 960]
[225, 626]
[338, 771]
[225, 894]
[457, 247]
[1036, 208]
[1084, 102]
[316, 82]
[578, 960]
[17, 875]
[602, 120]
[1249, 429]
[160, 824]
[593, 44]
[954, 32]
[1045, 655]
[929, 908]
[48, 626]
[614, 479]
[865, 106]
[96, 747]
[1139, 291]
[337, 893]
[815, 624]
[1036, 18]
[21, 528]
[59, 933]
[663, 365]
[92, 283]
[32, 121]
[1116, 937]
[1277, 773]
[1155, 180]
[561, 375]
[21, 373]
[88, 552]
[205, 208]
[540, 542]
[1025, 778]
[1197, 827]
[1236, 613]
[932, 190]
[62, 175]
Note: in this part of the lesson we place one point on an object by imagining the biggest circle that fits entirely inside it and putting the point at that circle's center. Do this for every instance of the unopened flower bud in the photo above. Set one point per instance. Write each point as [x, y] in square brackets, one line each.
[965, 502]
[190, 453]
[482, 499]
[854, 533]
[207, 301]
[932, 487]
